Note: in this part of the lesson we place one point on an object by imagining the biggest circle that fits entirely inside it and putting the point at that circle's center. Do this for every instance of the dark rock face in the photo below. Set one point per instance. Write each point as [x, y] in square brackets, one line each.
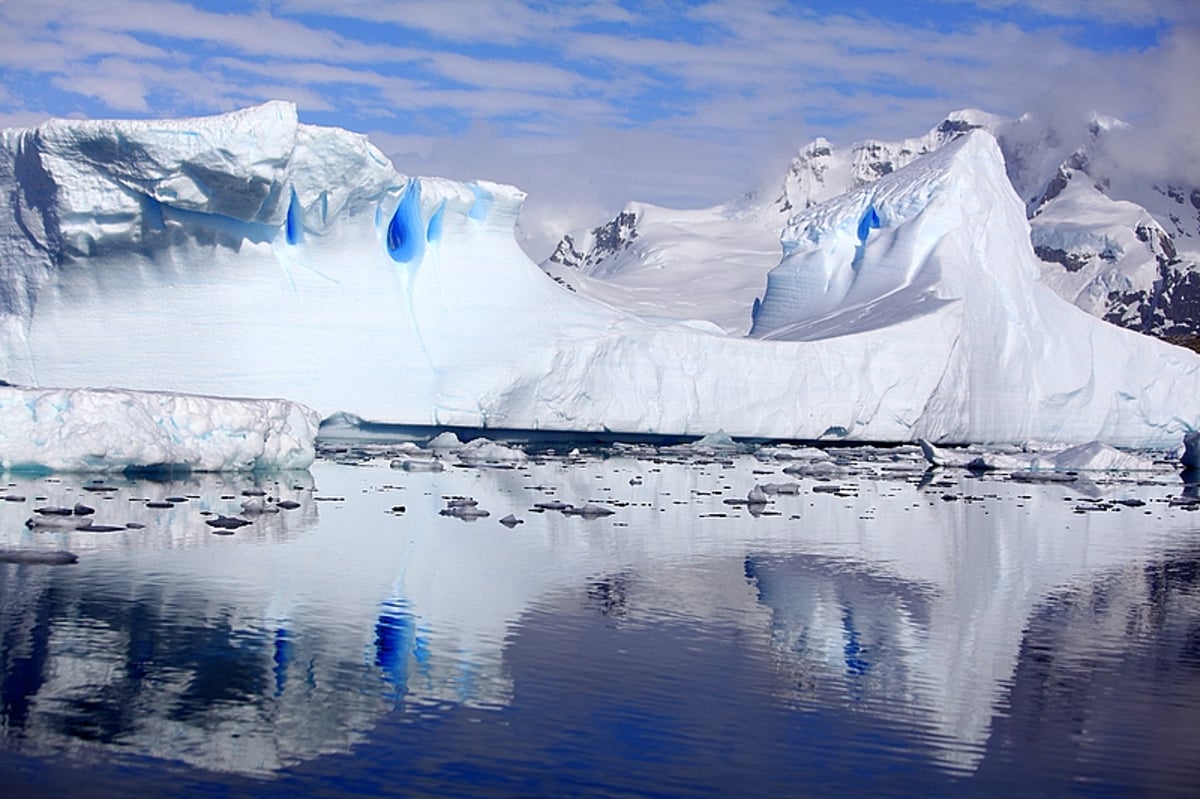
[955, 127]
[1171, 311]
[1177, 312]
[1158, 241]
[607, 240]
[1071, 261]
[567, 254]
[1185, 219]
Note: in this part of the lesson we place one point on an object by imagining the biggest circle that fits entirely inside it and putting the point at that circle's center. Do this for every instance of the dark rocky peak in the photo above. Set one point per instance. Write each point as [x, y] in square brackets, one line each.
[600, 243]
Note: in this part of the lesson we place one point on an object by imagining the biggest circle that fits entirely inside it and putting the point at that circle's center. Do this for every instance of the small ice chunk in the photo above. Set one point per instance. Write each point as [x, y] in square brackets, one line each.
[483, 451]
[444, 441]
[418, 464]
[464, 512]
[51, 557]
[589, 510]
[256, 506]
[1092, 456]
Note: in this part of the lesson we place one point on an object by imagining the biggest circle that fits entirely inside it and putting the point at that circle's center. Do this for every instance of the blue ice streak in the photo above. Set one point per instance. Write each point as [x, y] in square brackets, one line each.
[405, 234]
[295, 225]
[433, 233]
[869, 222]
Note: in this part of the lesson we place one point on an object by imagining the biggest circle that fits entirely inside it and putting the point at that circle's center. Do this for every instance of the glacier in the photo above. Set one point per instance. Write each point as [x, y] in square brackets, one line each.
[108, 430]
[253, 255]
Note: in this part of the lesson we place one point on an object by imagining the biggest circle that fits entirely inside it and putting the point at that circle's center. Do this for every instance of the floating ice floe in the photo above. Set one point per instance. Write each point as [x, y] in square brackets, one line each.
[1093, 456]
[482, 451]
[84, 430]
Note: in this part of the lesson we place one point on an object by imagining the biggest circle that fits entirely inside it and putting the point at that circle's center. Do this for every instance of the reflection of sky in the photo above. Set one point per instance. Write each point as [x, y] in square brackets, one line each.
[296, 635]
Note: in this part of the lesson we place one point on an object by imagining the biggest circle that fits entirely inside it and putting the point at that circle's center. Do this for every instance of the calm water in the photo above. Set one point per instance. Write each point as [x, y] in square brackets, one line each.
[883, 631]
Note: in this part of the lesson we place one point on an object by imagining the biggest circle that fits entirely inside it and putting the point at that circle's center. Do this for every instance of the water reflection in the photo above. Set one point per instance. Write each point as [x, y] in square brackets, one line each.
[1109, 678]
[921, 600]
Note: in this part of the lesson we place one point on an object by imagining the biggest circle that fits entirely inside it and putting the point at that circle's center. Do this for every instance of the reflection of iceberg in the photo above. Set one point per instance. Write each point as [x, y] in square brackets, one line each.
[843, 634]
[295, 635]
[1110, 667]
[923, 616]
[249, 652]
[172, 643]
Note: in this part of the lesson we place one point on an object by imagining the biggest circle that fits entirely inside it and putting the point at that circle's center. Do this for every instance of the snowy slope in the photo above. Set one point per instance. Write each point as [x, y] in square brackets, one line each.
[948, 235]
[251, 255]
[1092, 246]
[641, 259]
[722, 254]
[821, 171]
[1123, 251]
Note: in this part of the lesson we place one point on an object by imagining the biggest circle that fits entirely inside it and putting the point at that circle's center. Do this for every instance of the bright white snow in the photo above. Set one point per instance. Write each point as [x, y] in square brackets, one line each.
[83, 430]
[720, 255]
[947, 237]
[253, 255]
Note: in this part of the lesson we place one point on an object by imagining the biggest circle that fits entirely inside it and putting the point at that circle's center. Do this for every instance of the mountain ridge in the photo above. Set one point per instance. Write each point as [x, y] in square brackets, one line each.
[1101, 250]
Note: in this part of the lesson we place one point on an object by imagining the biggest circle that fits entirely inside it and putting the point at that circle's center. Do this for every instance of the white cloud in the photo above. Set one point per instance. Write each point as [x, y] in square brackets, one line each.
[1108, 11]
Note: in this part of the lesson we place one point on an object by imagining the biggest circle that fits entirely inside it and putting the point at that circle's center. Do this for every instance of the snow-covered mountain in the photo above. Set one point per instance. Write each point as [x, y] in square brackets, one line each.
[251, 255]
[640, 260]
[1130, 255]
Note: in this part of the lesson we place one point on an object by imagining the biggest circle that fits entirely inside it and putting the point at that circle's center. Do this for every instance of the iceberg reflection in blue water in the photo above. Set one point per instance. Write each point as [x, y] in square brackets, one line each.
[948, 628]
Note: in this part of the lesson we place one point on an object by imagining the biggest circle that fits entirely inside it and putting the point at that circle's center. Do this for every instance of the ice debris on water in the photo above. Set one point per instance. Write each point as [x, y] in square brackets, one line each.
[1092, 456]
[463, 508]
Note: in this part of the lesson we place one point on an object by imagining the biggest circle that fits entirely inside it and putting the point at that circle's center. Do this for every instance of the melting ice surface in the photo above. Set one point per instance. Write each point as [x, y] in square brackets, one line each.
[251, 255]
[867, 618]
[109, 430]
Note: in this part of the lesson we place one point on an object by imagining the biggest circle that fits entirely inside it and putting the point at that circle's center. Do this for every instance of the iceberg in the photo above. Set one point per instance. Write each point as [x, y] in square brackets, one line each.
[252, 255]
[106, 430]
[946, 237]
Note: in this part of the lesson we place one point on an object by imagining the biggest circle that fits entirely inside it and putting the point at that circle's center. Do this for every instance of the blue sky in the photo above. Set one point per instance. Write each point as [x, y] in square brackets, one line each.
[586, 105]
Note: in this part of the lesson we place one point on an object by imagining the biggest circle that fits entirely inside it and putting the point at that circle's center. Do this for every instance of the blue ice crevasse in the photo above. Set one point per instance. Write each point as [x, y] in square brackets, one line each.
[869, 222]
[405, 233]
[152, 213]
[433, 233]
[482, 204]
[294, 227]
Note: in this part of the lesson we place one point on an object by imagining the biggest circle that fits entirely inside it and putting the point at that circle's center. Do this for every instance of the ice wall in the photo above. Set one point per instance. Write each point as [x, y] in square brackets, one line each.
[948, 235]
[82, 430]
[255, 256]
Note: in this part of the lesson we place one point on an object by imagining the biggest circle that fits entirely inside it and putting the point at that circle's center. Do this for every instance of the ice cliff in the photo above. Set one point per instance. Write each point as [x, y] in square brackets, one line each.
[253, 255]
[86, 430]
